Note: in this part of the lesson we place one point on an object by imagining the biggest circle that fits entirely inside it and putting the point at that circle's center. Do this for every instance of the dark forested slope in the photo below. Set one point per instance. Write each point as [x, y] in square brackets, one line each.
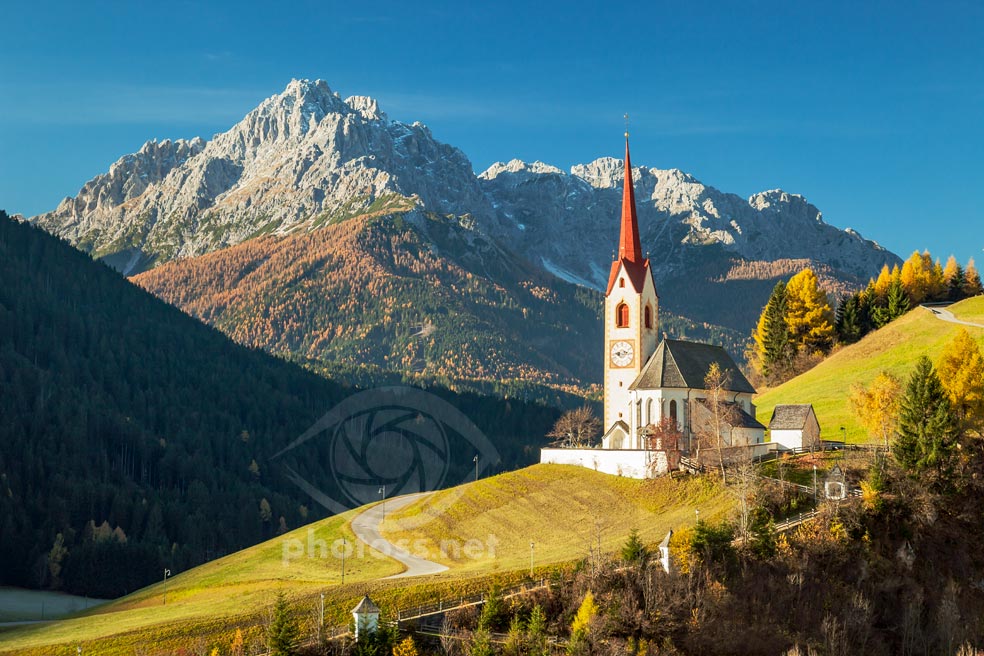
[120, 411]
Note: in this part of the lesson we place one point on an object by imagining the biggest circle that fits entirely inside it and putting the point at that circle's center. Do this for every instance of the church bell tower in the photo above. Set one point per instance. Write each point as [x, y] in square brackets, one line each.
[631, 318]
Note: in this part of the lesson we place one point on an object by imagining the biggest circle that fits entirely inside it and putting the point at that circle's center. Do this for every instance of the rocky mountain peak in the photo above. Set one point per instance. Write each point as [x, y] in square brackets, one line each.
[366, 107]
[305, 157]
[519, 166]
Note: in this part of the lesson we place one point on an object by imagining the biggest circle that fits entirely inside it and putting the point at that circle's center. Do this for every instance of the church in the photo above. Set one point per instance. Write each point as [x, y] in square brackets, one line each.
[649, 379]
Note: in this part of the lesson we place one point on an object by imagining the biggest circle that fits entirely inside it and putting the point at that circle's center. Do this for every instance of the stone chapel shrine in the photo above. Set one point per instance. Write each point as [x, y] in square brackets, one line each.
[648, 379]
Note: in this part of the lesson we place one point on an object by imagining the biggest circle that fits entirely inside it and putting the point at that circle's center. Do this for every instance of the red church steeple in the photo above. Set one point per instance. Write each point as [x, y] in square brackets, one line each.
[629, 246]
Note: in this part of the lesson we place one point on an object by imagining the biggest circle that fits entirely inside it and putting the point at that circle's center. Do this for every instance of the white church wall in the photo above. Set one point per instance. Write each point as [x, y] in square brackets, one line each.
[630, 463]
[746, 436]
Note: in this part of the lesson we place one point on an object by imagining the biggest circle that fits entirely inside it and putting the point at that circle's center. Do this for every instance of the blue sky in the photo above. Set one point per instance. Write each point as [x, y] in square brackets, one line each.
[874, 111]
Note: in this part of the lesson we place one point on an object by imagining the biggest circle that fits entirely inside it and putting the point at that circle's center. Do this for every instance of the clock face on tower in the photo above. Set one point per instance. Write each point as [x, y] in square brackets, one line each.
[622, 353]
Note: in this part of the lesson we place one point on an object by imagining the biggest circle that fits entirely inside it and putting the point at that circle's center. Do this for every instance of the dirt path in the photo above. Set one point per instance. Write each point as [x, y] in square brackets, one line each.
[366, 528]
[944, 314]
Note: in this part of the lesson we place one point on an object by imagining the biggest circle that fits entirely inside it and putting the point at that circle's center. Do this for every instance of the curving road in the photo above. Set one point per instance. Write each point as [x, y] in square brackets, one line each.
[365, 525]
[944, 314]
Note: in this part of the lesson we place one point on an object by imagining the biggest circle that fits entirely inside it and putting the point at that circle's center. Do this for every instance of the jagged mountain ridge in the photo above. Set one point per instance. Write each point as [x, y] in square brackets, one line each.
[306, 154]
[676, 213]
[305, 159]
[301, 155]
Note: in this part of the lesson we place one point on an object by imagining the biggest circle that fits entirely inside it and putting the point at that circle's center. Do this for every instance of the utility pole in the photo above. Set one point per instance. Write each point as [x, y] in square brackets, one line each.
[531, 559]
[344, 549]
[814, 485]
[475, 459]
[167, 573]
[321, 624]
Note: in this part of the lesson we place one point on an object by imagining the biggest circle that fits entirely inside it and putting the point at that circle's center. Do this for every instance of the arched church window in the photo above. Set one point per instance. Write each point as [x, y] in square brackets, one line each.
[649, 317]
[649, 411]
[673, 409]
[622, 316]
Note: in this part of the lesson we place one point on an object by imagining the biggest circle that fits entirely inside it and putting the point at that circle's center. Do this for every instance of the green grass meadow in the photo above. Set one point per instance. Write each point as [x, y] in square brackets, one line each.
[894, 349]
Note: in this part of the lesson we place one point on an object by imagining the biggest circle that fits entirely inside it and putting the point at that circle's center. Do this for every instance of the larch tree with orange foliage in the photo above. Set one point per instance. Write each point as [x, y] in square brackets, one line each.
[961, 370]
[877, 406]
[808, 314]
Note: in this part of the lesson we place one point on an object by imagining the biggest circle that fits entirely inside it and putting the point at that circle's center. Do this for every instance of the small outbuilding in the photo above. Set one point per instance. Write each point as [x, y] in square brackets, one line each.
[664, 552]
[366, 614]
[794, 427]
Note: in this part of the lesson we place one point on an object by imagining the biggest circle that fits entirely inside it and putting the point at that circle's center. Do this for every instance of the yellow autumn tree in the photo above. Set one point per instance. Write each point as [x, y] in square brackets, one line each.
[405, 648]
[972, 280]
[581, 625]
[877, 406]
[937, 282]
[916, 278]
[238, 646]
[961, 370]
[951, 270]
[883, 282]
[808, 314]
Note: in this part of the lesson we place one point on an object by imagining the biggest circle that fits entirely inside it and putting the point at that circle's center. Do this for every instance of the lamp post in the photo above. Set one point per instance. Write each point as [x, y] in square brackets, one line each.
[344, 549]
[382, 495]
[475, 460]
[167, 573]
[844, 435]
[814, 485]
[321, 624]
[697, 513]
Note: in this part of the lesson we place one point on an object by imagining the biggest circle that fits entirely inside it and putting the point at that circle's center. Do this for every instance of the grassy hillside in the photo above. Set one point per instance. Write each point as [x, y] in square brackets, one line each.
[970, 310]
[894, 348]
[563, 510]
[558, 511]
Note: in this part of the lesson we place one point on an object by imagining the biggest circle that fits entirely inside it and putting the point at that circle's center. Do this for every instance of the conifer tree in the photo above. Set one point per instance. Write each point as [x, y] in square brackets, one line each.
[772, 347]
[634, 551]
[961, 371]
[953, 278]
[283, 634]
[913, 278]
[808, 314]
[927, 426]
[515, 643]
[406, 647]
[972, 281]
[581, 626]
[866, 306]
[882, 282]
[849, 328]
[536, 632]
[898, 301]
[937, 284]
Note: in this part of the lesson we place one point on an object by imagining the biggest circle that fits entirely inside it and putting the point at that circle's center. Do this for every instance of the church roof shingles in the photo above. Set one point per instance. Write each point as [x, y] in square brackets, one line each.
[683, 365]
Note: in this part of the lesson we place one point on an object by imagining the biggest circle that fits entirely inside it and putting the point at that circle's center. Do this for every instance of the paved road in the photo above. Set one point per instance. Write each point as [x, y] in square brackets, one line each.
[366, 528]
[944, 314]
